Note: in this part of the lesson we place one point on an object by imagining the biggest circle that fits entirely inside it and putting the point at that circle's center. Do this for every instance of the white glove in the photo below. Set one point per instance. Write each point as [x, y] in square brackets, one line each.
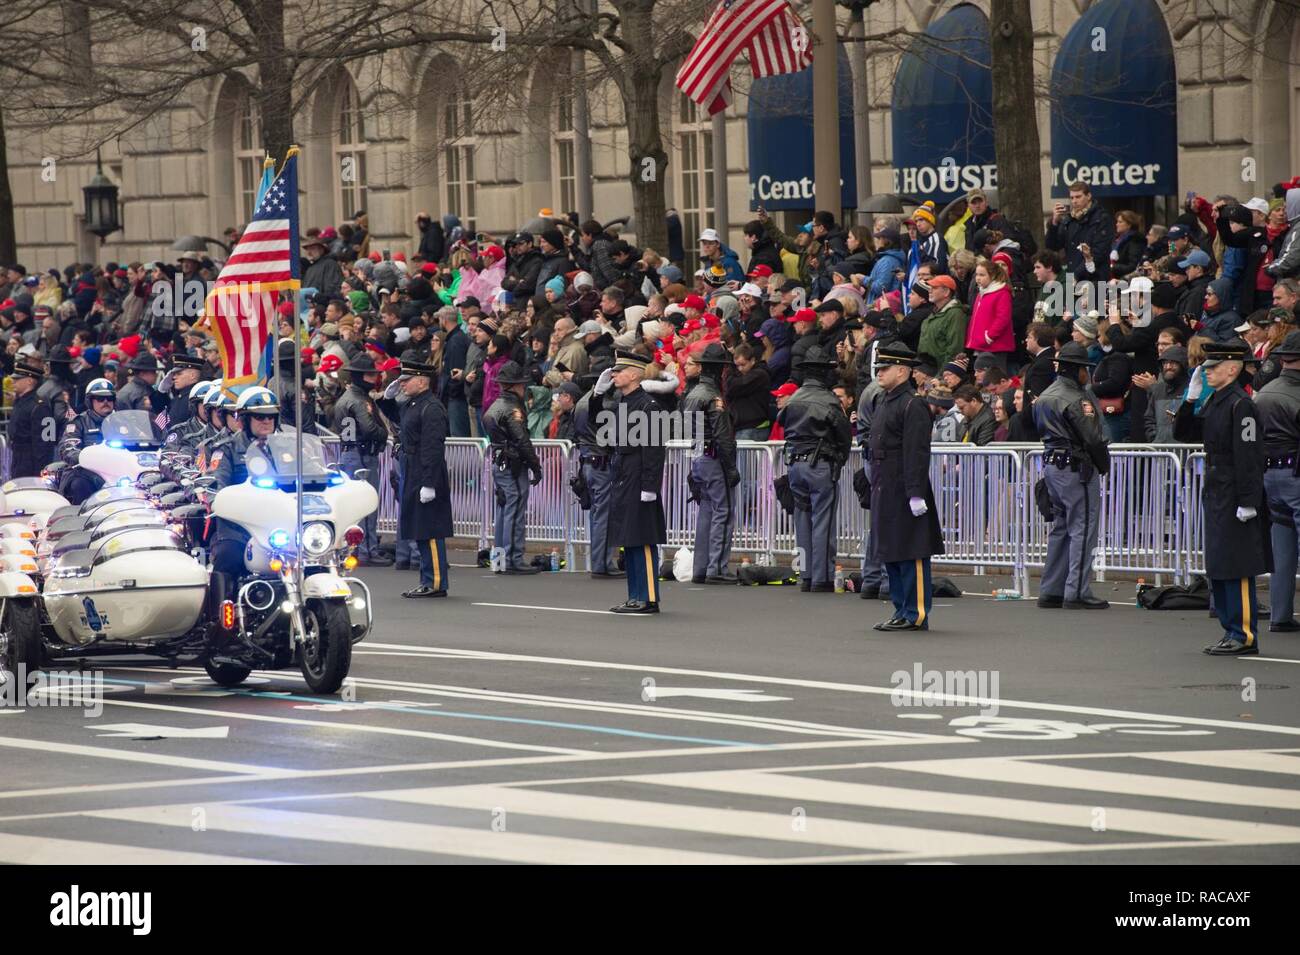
[918, 506]
[427, 494]
[605, 381]
[1246, 513]
[648, 496]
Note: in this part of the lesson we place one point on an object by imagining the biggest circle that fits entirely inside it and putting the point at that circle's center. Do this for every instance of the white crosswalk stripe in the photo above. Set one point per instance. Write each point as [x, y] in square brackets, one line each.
[908, 810]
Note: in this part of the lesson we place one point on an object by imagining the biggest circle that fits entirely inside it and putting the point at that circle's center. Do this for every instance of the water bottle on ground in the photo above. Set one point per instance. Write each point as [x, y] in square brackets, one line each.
[555, 559]
[839, 578]
[1006, 594]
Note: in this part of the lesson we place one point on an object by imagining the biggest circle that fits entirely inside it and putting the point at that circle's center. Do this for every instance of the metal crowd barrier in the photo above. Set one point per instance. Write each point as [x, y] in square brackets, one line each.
[1192, 514]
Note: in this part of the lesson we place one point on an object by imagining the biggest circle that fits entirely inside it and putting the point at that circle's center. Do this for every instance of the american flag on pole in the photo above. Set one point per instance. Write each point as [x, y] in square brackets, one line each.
[264, 262]
[769, 31]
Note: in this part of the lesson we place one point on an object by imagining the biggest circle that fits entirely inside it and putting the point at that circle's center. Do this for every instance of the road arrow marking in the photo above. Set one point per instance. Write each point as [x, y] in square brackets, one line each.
[149, 731]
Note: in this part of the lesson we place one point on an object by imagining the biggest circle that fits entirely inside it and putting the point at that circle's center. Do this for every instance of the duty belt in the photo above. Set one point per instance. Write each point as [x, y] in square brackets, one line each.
[801, 456]
[1062, 459]
[599, 461]
[1283, 462]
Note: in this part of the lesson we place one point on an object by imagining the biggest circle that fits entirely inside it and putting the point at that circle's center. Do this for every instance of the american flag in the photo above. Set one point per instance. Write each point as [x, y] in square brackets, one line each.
[241, 305]
[162, 419]
[768, 30]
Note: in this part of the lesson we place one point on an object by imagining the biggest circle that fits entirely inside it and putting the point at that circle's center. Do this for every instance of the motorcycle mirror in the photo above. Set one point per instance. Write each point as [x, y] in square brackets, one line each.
[361, 474]
[187, 482]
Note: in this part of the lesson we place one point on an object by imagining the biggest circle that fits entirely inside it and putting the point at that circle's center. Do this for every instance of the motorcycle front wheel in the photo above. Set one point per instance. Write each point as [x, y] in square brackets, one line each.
[325, 656]
[20, 641]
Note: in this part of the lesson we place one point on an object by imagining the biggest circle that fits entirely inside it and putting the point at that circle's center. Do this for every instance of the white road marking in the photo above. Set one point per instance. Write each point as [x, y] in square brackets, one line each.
[713, 693]
[838, 687]
[131, 756]
[1011, 770]
[1256, 761]
[150, 731]
[560, 609]
[347, 727]
[1268, 660]
[42, 850]
[774, 826]
[481, 843]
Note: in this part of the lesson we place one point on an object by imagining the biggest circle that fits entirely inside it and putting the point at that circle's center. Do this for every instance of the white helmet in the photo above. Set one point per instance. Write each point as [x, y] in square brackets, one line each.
[258, 400]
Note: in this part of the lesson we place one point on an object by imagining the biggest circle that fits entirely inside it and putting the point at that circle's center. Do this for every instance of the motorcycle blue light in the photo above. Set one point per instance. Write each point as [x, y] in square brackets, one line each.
[124, 482]
[337, 478]
[115, 444]
[279, 538]
[264, 482]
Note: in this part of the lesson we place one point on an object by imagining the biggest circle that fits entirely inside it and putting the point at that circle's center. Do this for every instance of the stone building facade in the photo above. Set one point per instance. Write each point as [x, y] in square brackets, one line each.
[419, 141]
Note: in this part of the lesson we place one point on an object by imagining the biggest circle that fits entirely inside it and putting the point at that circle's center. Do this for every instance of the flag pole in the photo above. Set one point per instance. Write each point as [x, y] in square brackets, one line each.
[297, 412]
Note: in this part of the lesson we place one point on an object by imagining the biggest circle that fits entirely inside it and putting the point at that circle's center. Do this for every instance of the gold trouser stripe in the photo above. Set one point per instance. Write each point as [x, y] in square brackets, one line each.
[437, 567]
[1247, 605]
[651, 575]
[920, 593]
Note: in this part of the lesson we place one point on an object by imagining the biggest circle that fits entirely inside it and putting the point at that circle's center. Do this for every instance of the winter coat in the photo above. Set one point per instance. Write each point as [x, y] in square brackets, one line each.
[748, 397]
[990, 327]
[1095, 228]
[766, 253]
[1287, 263]
[433, 242]
[882, 278]
[943, 333]
[1253, 246]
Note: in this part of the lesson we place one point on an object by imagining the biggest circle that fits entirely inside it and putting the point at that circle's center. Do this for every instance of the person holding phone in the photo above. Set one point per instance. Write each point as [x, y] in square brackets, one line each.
[1080, 230]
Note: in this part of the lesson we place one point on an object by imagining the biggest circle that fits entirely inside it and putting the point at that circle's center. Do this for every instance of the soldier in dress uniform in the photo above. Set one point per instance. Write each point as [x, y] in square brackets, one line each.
[905, 524]
[1232, 500]
[1074, 458]
[186, 435]
[818, 438]
[77, 483]
[33, 430]
[135, 394]
[714, 474]
[1278, 403]
[59, 389]
[515, 467]
[636, 516]
[186, 372]
[425, 514]
[597, 464]
[363, 431]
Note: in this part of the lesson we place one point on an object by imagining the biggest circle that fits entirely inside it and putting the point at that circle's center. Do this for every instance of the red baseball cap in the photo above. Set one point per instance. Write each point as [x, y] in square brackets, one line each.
[695, 302]
[786, 390]
[760, 272]
[711, 320]
[691, 325]
[802, 315]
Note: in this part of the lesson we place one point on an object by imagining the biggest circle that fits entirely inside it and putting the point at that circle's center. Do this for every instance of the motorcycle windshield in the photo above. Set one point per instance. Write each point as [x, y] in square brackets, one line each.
[280, 461]
[130, 429]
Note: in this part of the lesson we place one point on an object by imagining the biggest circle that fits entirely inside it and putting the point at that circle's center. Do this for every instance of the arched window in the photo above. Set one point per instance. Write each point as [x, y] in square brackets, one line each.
[695, 176]
[249, 157]
[458, 160]
[565, 184]
[349, 152]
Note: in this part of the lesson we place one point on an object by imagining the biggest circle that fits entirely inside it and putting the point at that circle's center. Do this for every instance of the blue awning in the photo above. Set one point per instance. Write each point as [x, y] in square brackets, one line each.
[1114, 103]
[943, 110]
[780, 131]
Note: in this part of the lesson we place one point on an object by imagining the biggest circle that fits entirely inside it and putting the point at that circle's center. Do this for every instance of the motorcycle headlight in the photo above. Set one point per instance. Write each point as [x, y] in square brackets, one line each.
[317, 538]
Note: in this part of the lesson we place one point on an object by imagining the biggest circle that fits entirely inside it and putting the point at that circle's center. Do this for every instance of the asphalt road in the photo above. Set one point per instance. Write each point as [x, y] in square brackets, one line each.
[519, 721]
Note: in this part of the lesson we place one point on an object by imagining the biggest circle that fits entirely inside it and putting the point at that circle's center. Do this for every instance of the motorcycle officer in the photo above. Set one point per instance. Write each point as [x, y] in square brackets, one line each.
[217, 432]
[186, 435]
[77, 483]
[363, 431]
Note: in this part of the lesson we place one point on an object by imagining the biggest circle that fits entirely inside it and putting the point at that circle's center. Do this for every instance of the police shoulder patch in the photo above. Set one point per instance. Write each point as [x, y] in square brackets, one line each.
[518, 415]
[216, 458]
[1087, 408]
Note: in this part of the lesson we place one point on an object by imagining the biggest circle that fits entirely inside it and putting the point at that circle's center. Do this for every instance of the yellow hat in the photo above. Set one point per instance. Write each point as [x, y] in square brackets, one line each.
[925, 211]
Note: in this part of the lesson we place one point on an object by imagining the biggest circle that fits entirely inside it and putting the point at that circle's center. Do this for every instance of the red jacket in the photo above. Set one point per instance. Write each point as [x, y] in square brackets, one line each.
[991, 316]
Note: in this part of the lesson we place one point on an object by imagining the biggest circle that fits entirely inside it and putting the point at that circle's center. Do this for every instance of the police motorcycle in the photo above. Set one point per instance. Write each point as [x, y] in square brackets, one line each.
[285, 598]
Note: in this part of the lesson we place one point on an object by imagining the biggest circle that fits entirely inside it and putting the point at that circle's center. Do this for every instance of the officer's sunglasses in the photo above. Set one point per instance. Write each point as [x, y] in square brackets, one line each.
[103, 401]
[258, 417]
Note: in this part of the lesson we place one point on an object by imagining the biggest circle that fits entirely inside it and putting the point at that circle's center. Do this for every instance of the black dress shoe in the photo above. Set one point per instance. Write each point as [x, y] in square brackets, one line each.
[376, 562]
[722, 579]
[636, 606]
[425, 592]
[1048, 602]
[609, 574]
[1228, 647]
[522, 571]
[901, 623]
[869, 593]
[401, 566]
[699, 580]
[805, 586]
[1087, 603]
[884, 623]
[823, 588]
[1284, 626]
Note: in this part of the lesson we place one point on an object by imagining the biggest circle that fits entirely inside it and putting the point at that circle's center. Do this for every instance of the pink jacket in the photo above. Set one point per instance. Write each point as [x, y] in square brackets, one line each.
[992, 315]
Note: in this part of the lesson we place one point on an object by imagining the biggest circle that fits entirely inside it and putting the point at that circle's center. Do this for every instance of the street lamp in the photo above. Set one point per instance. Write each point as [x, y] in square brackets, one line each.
[101, 203]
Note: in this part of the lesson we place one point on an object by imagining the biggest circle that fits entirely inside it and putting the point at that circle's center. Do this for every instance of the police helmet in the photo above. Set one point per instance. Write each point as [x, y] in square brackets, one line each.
[214, 396]
[200, 391]
[260, 401]
[102, 389]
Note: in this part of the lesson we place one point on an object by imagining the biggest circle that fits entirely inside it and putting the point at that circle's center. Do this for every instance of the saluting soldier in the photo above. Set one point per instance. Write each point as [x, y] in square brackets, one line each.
[186, 372]
[33, 430]
[714, 474]
[1278, 403]
[636, 517]
[85, 429]
[135, 394]
[905, 524]
[425, 515]
[1232, 499]
[818, 438]
[363, 431]
[1074, 458]
[515, 467]
[597, 464]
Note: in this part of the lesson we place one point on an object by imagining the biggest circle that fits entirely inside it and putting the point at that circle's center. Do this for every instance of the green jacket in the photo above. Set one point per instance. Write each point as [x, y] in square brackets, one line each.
[943, 333]
[783, 241]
